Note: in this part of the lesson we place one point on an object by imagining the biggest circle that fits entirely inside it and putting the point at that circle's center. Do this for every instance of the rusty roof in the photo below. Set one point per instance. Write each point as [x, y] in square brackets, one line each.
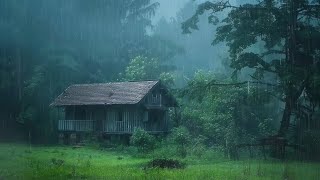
[104, 93]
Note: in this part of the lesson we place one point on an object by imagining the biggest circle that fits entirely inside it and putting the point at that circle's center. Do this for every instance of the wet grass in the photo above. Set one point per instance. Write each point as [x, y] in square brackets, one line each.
[17, 161]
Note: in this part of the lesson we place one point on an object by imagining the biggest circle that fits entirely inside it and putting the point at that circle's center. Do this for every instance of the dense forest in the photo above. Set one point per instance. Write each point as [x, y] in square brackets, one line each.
[244, 73]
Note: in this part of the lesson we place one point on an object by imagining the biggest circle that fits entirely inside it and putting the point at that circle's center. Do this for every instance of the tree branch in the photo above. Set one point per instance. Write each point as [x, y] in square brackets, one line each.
[273, 51]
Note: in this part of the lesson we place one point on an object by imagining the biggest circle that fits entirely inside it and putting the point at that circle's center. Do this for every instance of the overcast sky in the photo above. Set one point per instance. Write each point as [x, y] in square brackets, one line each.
[168, 8]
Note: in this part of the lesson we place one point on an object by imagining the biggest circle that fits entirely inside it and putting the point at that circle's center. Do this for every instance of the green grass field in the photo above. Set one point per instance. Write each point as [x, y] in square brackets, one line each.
[18, 162]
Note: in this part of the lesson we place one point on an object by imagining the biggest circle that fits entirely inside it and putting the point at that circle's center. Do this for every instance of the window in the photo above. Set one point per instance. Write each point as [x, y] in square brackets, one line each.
[154, 115]
[120, 118]
[80, 113]
[145, 116]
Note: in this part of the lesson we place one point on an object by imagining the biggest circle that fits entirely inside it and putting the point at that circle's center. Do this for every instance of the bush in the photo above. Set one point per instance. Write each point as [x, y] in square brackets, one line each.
[198, 146]
[164, 151]
[311, 143]
[142, 140]
[181, 137]
[166, 163]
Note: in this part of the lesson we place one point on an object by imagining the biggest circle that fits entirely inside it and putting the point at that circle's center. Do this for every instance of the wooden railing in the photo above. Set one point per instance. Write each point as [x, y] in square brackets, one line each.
[129, 126]
[154, 100]
[76, 125]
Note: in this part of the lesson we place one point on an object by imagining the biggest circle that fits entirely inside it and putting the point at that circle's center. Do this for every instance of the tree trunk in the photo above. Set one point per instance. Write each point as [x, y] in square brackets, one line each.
[291, 101]
[285, 121]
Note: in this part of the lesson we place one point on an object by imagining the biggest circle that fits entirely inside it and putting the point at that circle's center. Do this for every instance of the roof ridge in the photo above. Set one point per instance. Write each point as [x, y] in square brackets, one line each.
[116, 82]
[125, 92]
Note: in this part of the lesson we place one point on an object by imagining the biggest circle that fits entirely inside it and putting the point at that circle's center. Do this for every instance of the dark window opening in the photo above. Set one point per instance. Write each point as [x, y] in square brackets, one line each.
[120, 118]
[80, 113]
[155, 115]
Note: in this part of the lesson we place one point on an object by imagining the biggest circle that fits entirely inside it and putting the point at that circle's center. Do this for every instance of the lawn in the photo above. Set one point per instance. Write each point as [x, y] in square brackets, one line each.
[18, 161]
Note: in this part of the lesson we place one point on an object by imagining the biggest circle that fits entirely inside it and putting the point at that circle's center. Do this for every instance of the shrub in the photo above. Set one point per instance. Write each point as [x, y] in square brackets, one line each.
[166, 163]
[142, 140]
[164, 151]
[181, 137]
[311, 143]
[198, 146]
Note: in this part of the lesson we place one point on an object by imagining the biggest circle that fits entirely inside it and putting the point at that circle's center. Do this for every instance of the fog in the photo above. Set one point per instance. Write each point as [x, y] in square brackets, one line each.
[122, 89]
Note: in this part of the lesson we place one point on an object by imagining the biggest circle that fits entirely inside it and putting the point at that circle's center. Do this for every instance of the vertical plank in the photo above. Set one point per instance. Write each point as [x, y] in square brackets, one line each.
[127, 121]
[113, 121]
[107, 122]
[110, 121]
[74, 112]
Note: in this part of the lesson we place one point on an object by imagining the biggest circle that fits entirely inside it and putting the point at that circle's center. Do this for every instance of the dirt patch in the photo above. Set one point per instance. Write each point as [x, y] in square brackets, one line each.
[166, 163]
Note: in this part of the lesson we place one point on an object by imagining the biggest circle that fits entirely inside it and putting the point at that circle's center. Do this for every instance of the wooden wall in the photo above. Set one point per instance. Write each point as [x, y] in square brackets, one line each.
[119, 119]
[124, 120]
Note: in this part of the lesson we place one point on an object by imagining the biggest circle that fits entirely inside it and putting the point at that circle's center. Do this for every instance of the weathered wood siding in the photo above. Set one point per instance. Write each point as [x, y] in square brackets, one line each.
[121, 120]
[114, 119]
[76, 125]
[155, 98]
[127, 119]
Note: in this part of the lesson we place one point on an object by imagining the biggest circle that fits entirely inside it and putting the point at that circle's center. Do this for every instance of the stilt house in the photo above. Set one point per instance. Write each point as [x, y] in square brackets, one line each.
[115, 108]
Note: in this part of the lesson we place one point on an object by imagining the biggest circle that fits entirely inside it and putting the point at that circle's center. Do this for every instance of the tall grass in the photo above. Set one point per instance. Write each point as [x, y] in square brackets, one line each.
[17, 162]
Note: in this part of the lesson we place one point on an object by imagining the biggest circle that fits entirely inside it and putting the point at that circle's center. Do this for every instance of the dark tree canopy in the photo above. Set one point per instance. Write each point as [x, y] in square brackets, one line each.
[47, 45]
[290, 35]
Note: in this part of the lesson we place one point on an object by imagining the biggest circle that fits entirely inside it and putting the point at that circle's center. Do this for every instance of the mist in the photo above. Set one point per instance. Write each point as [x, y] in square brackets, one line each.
[159, 89]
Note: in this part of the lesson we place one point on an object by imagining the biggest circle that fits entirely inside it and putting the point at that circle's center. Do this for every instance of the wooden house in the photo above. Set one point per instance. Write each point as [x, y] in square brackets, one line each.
[115, 108]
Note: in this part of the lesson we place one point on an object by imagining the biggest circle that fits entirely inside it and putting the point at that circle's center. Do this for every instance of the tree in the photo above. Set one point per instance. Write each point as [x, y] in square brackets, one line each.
[47, 45]
[181, 137]
[197, 52]
[224, 115]
[142, 140]
[142, 68]
[289, 31]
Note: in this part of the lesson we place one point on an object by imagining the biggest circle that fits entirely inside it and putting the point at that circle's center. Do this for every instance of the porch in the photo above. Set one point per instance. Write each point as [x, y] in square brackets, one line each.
[117, 127]
[77, 125]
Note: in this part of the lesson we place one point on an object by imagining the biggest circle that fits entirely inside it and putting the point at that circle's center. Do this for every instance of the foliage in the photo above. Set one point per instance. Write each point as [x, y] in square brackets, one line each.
[225, 116]
[311, 144]
[142, 68]
[198, 147]
[88, 163]
[166, 163]
[196, 52]
[181, 137]
[142, 140]
[49, 49]
[290, 37]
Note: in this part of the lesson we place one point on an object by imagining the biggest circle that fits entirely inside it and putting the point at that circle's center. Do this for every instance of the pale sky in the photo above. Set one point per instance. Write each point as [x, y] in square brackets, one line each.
[168, 8]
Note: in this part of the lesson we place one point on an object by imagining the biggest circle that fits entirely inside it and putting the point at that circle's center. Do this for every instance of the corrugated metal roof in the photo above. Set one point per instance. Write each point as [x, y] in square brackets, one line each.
[104, 93]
